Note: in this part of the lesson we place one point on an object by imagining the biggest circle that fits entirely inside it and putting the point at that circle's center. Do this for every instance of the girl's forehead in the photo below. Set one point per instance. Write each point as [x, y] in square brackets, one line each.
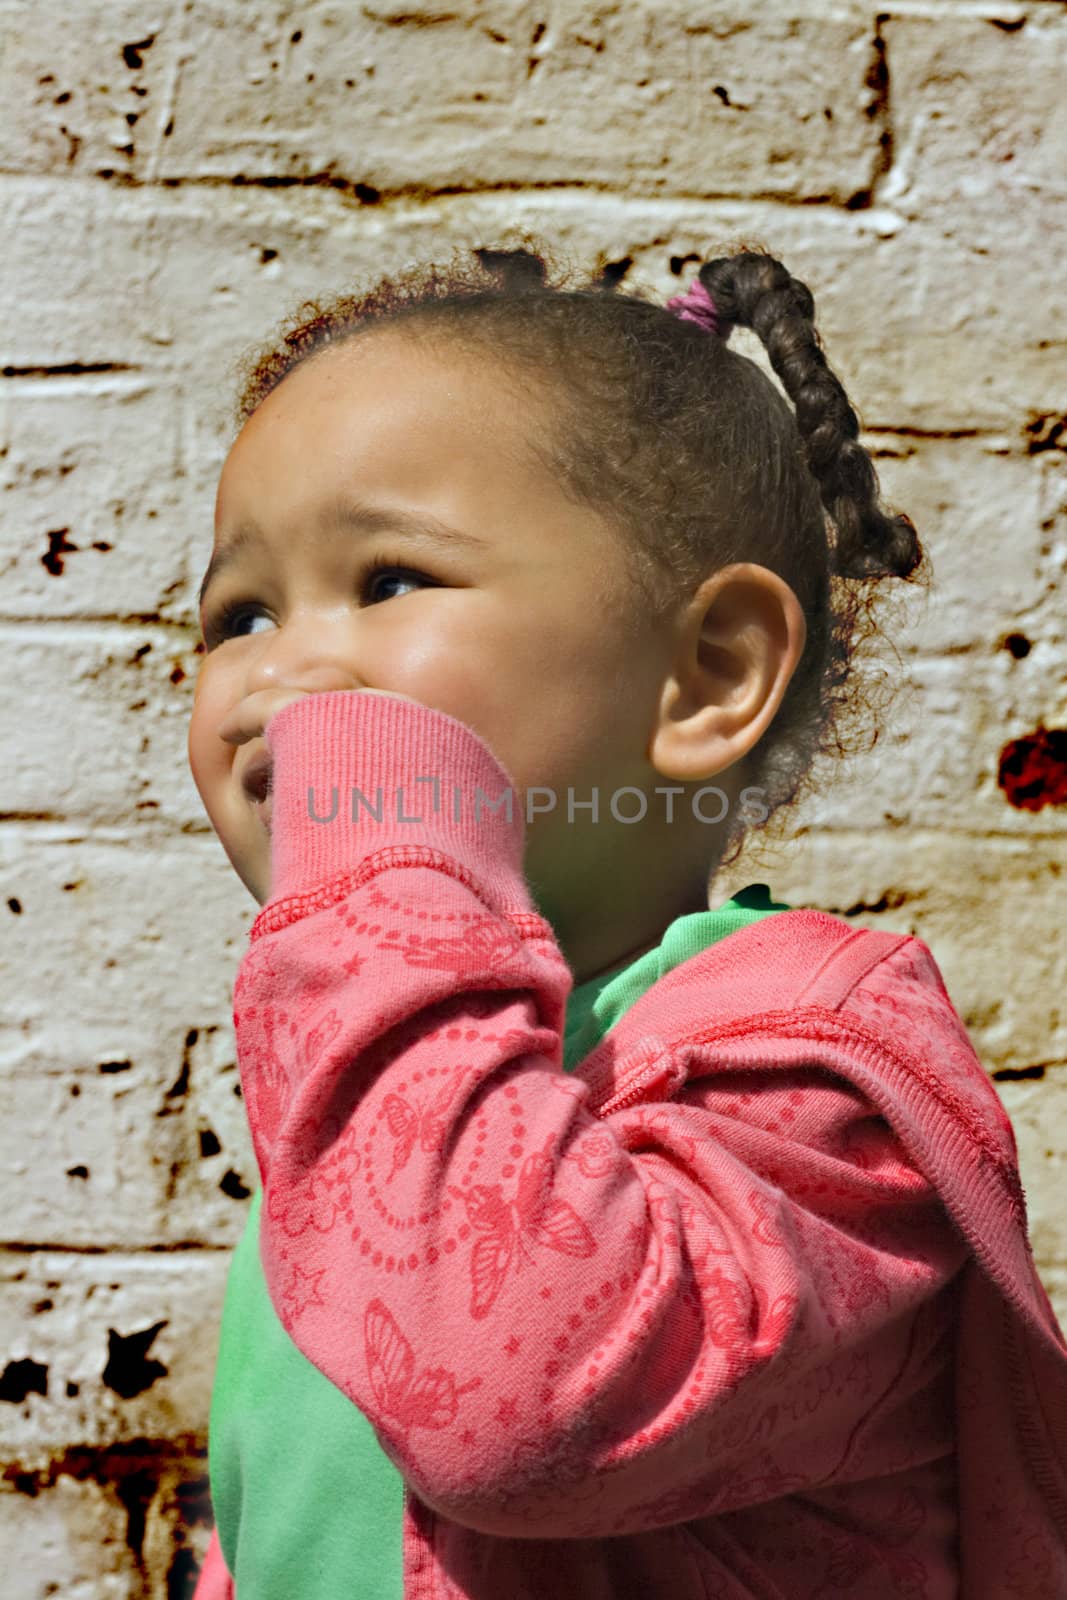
[381, 401]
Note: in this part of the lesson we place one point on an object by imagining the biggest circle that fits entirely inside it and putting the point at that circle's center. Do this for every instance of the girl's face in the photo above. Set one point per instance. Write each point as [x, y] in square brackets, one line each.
[523, 622]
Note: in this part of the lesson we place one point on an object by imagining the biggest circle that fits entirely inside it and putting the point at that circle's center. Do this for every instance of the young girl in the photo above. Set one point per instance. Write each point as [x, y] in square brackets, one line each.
[607, 1244]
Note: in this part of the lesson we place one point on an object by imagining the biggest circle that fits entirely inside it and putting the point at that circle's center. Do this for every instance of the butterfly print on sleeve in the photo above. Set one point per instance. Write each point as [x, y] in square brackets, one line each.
[506, 1226]
[426, 1123]
[483, 948]
[428, 1401]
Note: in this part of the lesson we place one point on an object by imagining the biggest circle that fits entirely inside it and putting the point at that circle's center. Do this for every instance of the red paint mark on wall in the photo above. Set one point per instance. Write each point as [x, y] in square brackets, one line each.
[1033, 769]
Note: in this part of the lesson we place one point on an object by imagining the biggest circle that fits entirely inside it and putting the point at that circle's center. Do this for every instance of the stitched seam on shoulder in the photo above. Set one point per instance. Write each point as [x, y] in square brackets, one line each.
[822, 1024]
[864, 970]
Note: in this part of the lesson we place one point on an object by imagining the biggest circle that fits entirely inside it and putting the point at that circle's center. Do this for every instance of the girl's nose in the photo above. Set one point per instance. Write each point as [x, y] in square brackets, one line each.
[312, 658]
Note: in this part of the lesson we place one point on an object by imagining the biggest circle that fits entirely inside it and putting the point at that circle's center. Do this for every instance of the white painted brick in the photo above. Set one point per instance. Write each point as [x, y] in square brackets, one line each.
[994, 522]
[102, 462]
[266, 91]
[68, 1540]
[57, 1309]
[915, 320]
[109, 724]
[976, 106]
[143, 945]
[143, 1150]
[935, 762]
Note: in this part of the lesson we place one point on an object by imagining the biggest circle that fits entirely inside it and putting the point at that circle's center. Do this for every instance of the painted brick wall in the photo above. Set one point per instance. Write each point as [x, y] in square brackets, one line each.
[173, 179]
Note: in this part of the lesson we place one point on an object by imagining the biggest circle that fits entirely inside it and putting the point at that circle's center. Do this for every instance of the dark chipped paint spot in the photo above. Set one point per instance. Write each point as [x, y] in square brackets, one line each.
[130, 1370]
[295, 38]
[67, 369]
[194, 1500]
[363, 192]
[876, 78]
[1014, 25]
[73, 1388]
[75, 1090]
[136, 1492]
[58, 546]
[131, 1470]
[20, 1378]
[131, 53]
[14, 906]
[266, 255]
[114, 1066]
[232, 1186]
[102, 544]
[169, 129]
[138, 655]
[889, 901]
[209, 1142]
[723, 94]
[1014, 1074]
[1018, 644]
[1033, 769]
[77, 1172]
[182, 1575]
[615, 271]
[180, 1087]
[177, 673]
[43, 1305]
[1046, 432]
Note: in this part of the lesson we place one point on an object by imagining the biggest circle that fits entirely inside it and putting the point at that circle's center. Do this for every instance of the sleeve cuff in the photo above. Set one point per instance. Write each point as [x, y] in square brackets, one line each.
[356, 772]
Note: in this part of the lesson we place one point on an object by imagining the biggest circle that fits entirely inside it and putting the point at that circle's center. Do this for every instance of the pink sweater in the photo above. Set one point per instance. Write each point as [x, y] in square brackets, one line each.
[745, 1306]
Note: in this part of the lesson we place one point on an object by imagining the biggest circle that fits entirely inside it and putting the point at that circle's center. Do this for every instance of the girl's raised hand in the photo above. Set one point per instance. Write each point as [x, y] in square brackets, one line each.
[250, 718]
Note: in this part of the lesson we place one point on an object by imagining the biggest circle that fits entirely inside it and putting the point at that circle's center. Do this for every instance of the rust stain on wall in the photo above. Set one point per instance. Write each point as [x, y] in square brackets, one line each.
[1033, 769]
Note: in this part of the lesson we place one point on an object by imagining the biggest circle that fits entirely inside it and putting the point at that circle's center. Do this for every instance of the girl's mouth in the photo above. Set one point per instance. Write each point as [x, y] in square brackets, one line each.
[257, 783]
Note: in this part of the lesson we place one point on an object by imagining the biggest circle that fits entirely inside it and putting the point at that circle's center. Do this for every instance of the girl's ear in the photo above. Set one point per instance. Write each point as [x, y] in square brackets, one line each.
[741, 639]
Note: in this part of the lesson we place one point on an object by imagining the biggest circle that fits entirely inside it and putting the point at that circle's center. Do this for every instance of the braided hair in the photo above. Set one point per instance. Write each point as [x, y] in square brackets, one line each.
[686, 446]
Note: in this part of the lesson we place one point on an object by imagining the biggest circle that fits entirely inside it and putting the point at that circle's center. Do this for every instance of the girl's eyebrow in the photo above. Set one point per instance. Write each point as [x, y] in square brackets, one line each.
[362, 516]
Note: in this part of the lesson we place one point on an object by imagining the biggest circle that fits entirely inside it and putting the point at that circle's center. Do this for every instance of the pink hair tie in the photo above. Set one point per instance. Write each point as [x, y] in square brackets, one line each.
[696, 305]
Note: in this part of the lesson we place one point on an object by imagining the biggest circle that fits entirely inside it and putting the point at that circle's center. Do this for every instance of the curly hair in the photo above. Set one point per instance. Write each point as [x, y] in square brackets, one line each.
[686, 446]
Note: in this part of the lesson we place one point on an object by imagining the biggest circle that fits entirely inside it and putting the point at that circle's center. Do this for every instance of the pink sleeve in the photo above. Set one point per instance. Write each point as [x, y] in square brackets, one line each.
[558, 1322]
[214, 1582]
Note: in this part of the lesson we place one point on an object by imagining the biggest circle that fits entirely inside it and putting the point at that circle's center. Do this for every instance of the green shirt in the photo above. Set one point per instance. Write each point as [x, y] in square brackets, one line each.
[306, 1501]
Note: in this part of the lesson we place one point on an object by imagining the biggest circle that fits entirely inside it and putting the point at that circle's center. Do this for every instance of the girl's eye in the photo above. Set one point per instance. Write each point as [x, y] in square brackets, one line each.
[378, 569]
[227, 623]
